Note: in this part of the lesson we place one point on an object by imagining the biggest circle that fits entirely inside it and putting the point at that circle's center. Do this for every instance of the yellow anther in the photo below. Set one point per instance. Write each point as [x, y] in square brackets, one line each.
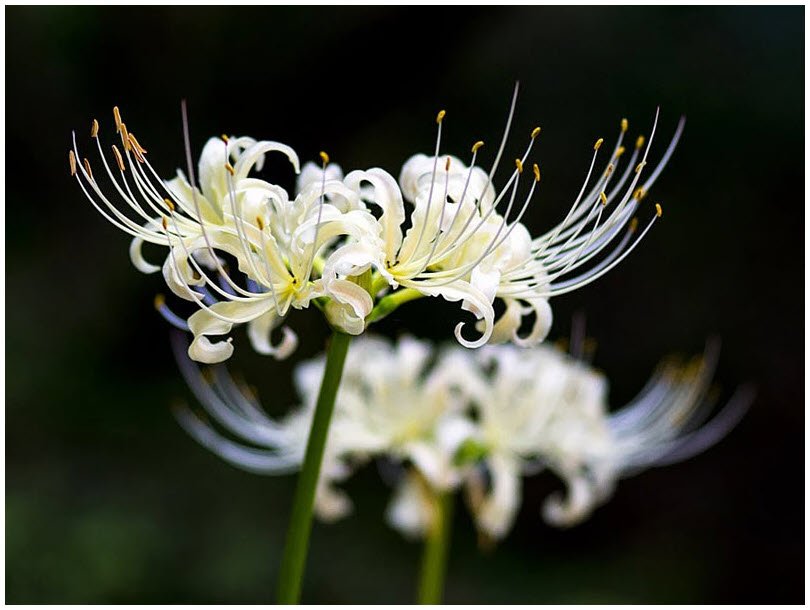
[160, 301]
[165, 222]
[477, 145]
[117, 116]
[447, 165]
[633, 225]
[519, 165]
[72, 161]
[119, 158]
[639, 194]
[224, 138]
[136, 152]
[230, 169]
[598, 143]
[640, 142]
[136, 145]
[535, 132]
[324, 158]
[640, 166]
[603, 197]
[87, 168]
[609, 169]
[94, 129]
[169, 204]
[125, 137]
[260, 223]
[440, 117]
[624, 125]
[536, 172]
[620, 151]
[658, 210]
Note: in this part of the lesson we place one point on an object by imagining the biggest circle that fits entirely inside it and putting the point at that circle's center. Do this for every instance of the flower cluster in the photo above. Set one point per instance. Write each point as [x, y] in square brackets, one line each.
[477, 420]
[244, 251]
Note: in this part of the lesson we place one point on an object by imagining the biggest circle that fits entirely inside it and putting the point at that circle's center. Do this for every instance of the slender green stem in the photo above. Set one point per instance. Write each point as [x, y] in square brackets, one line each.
[295, 550]
[434, 557]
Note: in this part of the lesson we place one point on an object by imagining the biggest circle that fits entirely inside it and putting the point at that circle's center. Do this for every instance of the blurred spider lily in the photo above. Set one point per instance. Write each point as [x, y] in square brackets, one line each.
[464, 239]
[473, 420]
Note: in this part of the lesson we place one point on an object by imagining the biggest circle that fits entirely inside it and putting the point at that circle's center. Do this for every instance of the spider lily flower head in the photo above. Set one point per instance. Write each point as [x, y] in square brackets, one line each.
[466, 241]
[278, 243]
[542, 408]
[477, 421]
[390, 403]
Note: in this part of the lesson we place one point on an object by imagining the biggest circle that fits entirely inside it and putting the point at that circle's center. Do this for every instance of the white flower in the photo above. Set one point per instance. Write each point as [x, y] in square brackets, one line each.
[245, 252]
[478, 420]
[279, 244]
[535, 407]
[541, 408]
[465, 240]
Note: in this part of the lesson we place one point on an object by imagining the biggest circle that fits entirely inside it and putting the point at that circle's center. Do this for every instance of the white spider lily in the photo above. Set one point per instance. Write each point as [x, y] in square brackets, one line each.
[543, 408]
[423, 424]
[466, 242]
[278, 243]
[481, 420]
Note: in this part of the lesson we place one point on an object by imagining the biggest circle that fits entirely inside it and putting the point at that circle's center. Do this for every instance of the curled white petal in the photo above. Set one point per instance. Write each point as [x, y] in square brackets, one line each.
[136, 256]
[498, 509]
[260, 329]
[410, 511]
[208, 352]
[179, 277]
[472, 300]
[219, 320]
[572, 508]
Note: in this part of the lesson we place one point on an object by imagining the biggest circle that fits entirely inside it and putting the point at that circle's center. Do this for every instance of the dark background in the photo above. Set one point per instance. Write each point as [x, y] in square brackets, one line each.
[107, 500]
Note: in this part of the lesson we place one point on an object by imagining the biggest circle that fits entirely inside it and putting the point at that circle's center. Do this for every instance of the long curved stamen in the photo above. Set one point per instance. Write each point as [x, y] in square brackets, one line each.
[607, 260]
[123, 222]
[439, 231]
[308, 270]
[581, 192]
[511, 185]
[215, 405]
[607, 229]
[246, 295]
[447, 235]
[246, 244]
[192, 183]
[267, 265]
[204, 275]
[573, 239]
[191, 293]
[572, 257]
[667, 154]
[492, 170]
[439, 120]
[556, 292]
[128, 197]
[168, 315]
[239, 223]
[523, 209]
[570, 223]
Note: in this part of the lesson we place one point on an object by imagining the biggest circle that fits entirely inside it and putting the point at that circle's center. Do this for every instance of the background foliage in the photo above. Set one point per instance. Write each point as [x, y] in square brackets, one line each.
[107, 500]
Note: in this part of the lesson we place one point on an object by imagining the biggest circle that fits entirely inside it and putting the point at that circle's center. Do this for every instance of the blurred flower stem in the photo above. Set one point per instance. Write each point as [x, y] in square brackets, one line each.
[297, 545]
[434, 557]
